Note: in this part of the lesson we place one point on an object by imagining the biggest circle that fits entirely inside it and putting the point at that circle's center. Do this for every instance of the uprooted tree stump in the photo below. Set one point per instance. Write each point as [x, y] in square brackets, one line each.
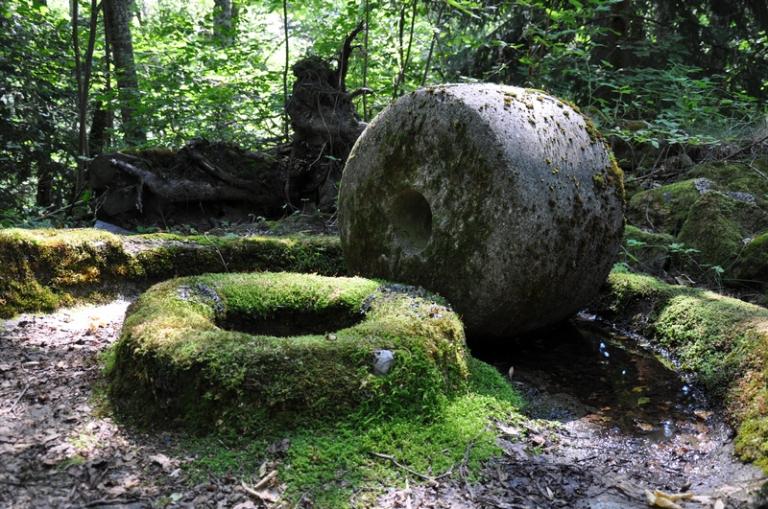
[325, 125]
[209, 179]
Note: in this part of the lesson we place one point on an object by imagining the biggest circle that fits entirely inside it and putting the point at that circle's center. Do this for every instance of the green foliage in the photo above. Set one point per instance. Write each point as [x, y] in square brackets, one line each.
[648, 72]
[644, 78]
[36, 106]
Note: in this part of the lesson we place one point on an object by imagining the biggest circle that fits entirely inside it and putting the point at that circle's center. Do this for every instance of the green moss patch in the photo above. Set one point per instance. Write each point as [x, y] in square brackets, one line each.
[177, 362]
[44, 269]
[341, 465]
[752, 264]
[722, 341]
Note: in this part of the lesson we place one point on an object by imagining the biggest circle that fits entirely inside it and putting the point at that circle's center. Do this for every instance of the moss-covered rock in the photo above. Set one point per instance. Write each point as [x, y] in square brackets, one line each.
[236, 350]
[752, 265]
[666, 208]
[710, 215]
[742, 180]
[714, 227]
[722, 341]
[43, 269]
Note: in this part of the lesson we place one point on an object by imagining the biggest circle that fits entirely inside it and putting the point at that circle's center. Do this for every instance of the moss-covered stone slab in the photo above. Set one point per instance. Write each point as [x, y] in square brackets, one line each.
[239, 350]
[722, 341]
[504, 200]
[43, 269]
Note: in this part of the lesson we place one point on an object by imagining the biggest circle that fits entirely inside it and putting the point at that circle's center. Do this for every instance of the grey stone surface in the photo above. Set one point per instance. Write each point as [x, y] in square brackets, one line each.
[382, 361]
[503, 200]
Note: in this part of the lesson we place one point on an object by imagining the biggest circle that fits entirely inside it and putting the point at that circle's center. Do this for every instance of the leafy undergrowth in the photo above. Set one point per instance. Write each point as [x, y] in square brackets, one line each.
[722, 341]
[358, 458]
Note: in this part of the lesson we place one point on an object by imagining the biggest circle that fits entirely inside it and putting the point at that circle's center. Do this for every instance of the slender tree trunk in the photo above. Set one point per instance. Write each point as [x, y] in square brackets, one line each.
[428, 64]
[117, 20]
[222, 21]
[83, 67]
[103, 116]
[286, 123]
[404, 57]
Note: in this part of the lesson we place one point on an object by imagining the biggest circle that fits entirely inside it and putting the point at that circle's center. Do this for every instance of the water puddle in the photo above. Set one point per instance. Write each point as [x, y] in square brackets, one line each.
[615, 381]
[625, 415]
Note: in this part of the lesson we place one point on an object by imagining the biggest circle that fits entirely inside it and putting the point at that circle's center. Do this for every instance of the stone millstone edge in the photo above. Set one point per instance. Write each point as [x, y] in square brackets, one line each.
[173, 364]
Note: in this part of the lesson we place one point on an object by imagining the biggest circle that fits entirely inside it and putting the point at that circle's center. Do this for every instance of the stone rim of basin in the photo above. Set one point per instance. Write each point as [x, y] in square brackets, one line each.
[504, 200]
[380, 348]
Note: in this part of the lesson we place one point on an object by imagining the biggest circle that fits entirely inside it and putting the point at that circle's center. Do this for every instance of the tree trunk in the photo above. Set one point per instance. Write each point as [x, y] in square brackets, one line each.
[117, 19]
[83, 75]
[222, 21]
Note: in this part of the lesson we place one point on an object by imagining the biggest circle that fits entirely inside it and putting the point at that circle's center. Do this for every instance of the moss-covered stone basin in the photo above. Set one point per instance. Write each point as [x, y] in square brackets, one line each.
[239, 350]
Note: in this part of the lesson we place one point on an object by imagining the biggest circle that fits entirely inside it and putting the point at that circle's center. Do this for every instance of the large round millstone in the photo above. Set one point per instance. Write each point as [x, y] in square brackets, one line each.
[504, 200]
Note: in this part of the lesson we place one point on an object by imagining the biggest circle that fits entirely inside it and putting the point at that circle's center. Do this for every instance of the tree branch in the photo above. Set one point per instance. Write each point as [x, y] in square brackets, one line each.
[346, 51]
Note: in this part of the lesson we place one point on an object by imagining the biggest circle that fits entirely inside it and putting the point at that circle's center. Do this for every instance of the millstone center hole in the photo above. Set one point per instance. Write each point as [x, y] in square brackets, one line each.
[290, 322]
[411, 218]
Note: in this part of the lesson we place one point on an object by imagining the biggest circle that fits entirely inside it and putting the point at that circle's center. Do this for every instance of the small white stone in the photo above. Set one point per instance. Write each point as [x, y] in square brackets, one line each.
[382, 361]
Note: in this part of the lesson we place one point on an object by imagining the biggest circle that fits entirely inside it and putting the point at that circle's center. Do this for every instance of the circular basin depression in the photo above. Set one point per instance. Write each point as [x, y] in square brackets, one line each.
[237, 349]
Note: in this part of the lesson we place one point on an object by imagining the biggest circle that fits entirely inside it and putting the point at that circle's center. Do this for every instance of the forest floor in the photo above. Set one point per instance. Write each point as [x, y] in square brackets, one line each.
[61, 449]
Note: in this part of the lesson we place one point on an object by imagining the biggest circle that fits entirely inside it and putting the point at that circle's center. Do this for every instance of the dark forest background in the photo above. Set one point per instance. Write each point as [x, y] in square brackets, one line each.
[659, 77]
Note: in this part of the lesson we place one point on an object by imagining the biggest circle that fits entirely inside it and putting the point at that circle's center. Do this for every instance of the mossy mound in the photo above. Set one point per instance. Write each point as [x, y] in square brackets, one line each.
[664, 209]
[717, 226]
[302, 346]
[713, 215]
[47, 268]
[752, 264]
[722, 341]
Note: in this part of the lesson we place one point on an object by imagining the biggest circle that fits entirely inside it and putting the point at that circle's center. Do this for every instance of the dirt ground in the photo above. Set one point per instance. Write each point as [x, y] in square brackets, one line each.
[59, 449]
